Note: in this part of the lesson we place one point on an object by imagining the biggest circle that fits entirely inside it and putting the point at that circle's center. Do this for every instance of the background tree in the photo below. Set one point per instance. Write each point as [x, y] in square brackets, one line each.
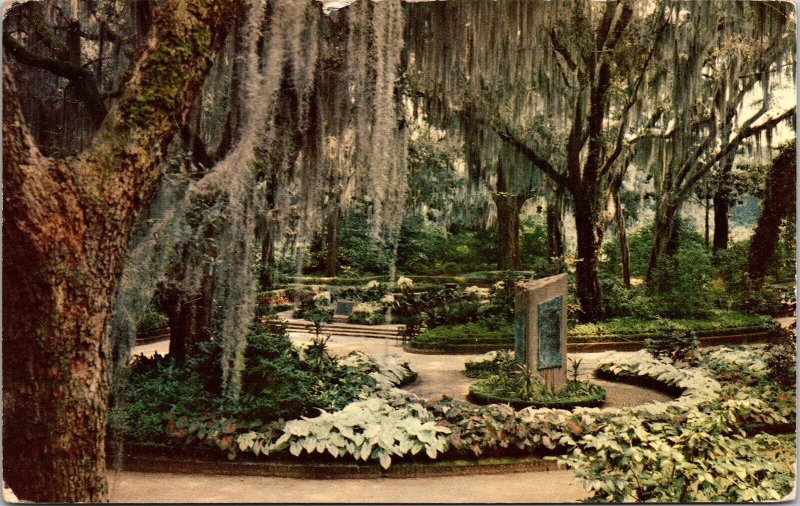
[715, 74]
[778, 205]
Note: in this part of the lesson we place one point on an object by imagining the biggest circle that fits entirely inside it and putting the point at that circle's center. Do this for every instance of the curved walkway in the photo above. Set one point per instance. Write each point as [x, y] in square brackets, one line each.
[443, 374]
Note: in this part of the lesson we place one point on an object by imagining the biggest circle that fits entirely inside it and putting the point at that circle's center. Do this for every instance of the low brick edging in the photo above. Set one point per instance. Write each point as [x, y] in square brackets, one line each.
[705, 341]
[152, 464]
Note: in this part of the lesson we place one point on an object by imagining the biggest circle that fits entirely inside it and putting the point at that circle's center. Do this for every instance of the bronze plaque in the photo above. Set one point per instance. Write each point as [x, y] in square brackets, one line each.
[549, 349]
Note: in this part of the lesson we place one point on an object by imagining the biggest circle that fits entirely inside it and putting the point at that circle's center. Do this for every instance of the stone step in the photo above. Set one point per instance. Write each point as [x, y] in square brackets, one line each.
[346, 330]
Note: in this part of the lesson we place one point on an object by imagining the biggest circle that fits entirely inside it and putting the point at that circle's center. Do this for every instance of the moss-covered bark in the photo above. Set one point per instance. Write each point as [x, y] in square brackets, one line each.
[66, 229]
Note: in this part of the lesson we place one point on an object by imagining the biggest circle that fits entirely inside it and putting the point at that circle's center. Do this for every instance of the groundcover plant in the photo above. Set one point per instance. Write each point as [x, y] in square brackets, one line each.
[281, 231]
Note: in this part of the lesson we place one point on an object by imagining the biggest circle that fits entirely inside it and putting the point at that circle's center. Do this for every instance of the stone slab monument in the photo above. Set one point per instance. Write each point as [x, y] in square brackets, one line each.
[343, 309]
[540, 328]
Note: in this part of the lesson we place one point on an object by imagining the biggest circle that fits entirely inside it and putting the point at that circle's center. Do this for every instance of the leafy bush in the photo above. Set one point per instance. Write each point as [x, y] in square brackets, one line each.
[366, 318]
[704, 458]
[782, 359]
[466, 333]
[274, 382]
[676, 344]
[156, 387]
[373, 429]
[493, 362]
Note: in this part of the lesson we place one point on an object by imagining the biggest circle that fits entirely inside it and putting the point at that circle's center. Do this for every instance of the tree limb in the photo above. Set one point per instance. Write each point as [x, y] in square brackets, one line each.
[82, 78]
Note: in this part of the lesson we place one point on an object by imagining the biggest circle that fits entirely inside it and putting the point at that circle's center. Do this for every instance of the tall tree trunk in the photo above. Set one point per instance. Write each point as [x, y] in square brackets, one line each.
[722, 207]
[721, 210]
[508, 208]
[665, 231]
[779, 204]
[555, 225]
[332, 243]
[267, 269]
[623, 243]
[66, 230]
[589, 240]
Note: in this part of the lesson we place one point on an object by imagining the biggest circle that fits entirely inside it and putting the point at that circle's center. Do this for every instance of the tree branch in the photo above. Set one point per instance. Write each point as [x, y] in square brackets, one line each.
[155, 102]
[562, 50]
[544, 165]
[629, 104]
[744, 133]
[82, 78]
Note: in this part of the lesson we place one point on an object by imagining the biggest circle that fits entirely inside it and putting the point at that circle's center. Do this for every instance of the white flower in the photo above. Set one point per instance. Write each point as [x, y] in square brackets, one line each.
[404, 283]
[322, 297]
[388, 299]
[499, 286]
[472, 289]
[373, 284]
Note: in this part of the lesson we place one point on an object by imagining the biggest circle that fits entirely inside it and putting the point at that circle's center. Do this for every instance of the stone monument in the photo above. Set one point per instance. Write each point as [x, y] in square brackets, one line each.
[540, 328]
[343, 309]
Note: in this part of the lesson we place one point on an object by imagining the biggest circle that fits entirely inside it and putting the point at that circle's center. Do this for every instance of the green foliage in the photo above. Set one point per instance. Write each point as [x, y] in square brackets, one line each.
[630, 328]
[493, 362]
[318, 316]
[275, 384]
[427, 248]
[676, 344]
[156, 387]
[366, 318]
[682, 282]
[702, 459]
[782, 361]
[525, 388]
[432, 177]
[736, 290]
[467, 333]
[152, 320]
[373, 429]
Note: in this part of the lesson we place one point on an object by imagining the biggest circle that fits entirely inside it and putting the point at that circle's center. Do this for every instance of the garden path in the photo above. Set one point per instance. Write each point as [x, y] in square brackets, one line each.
[443, 374]
[530, 487]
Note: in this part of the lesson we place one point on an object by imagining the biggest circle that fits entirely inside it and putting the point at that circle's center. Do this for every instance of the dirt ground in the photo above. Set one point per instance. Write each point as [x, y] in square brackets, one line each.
[533, 487]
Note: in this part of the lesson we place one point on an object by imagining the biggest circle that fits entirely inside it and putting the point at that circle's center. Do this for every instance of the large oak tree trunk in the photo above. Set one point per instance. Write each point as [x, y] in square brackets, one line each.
[66, 231]
[779, 204]
[722, 207]
[586, 268]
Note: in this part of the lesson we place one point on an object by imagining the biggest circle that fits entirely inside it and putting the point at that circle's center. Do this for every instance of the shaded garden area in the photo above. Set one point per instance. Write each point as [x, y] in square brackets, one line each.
[228, 175]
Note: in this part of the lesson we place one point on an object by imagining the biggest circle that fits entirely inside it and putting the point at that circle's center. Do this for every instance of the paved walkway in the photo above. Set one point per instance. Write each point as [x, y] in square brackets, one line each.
[534, 487]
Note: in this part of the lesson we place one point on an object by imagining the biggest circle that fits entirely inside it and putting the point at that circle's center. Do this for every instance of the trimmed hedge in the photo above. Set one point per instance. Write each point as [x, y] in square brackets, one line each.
[635, 329]
[465, 333]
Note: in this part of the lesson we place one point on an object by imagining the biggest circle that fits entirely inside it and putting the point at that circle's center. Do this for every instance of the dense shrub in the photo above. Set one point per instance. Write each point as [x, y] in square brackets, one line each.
[675, 343]
[782, 358]
[155, 387]
[629, 328]
[467, 333]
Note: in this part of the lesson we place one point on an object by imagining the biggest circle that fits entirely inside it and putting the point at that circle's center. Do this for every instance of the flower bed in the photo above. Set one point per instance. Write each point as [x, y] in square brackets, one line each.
[494, 389]
[386, 425]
